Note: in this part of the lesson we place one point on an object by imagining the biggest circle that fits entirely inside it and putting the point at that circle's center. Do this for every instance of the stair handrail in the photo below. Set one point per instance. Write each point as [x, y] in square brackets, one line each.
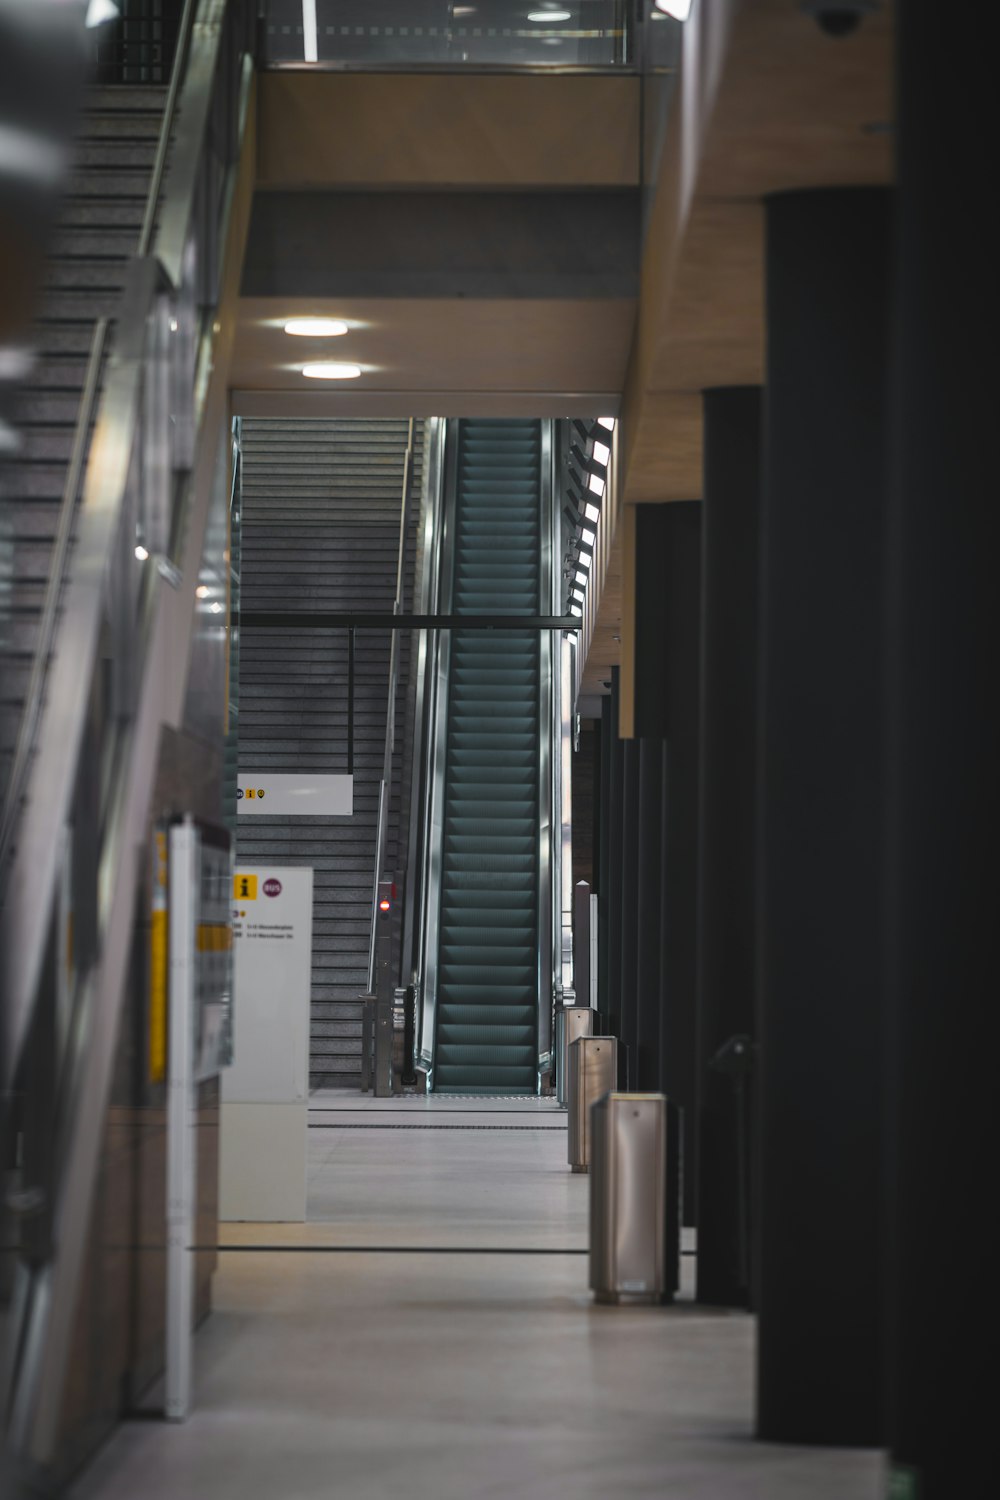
[167, 126]
[382, 825]
[14, 790]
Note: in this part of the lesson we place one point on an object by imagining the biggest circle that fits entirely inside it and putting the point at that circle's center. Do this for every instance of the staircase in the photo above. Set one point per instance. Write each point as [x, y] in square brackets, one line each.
[487, 1003]
[320, 522]
[98, 230]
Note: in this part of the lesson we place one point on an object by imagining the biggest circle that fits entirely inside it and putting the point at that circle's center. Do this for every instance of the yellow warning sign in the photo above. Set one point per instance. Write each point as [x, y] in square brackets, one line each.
[245, 887]
[158, 937]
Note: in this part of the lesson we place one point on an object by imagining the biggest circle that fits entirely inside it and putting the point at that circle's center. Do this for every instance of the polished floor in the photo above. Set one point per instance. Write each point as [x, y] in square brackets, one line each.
[429, 1334]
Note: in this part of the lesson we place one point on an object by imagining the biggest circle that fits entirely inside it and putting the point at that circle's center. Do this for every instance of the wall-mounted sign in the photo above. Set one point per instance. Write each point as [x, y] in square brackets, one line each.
[307, 795]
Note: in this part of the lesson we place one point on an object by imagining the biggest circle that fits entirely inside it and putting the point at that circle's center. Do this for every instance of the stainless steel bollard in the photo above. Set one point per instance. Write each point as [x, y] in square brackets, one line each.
[628, 1188]
[571, 1021]
[592, 1071]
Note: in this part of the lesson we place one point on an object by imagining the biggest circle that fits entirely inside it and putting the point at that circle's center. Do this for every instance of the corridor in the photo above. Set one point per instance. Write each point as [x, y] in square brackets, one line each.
[429, 1333]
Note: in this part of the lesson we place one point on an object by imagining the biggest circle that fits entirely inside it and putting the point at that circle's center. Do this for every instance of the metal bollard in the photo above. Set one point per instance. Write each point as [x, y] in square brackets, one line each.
[367, 1040]
[592, 1072]
[628, 1198]
[571, 1021]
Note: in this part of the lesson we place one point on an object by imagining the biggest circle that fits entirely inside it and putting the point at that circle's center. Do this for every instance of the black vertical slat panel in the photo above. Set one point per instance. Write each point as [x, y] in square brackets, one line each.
[321, 512]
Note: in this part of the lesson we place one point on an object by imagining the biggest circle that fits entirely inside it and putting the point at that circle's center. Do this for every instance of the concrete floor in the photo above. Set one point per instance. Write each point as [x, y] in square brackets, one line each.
[373, 1356]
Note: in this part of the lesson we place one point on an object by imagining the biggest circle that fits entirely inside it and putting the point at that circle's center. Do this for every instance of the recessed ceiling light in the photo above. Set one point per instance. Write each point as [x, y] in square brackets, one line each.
[463, 10]
[679, 9]
[581, 578]
[602, 453]
[99, 11]
[323, 370]
[584, 561]
[217, 608]
[595, 485]
[141, 553]
[203, 591]
[591, 512]
[543, 17]
[608, 422]
[316, 328]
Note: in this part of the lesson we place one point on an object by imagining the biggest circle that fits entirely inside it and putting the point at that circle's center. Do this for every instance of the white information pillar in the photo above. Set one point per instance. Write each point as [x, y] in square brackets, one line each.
[181, 1119]
[265, 1093]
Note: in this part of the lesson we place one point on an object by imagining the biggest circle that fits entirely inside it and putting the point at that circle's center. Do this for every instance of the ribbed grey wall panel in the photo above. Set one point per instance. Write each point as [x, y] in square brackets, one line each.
[320, 530]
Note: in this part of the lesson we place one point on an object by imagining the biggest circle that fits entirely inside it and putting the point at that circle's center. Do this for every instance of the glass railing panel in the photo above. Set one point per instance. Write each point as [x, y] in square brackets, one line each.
[503, 34]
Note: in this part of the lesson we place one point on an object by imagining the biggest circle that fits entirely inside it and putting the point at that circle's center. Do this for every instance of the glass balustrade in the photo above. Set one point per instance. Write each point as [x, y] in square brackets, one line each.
[415, 34]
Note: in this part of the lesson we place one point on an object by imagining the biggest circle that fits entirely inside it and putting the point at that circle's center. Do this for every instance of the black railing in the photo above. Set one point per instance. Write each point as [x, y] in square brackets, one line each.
[139, 47]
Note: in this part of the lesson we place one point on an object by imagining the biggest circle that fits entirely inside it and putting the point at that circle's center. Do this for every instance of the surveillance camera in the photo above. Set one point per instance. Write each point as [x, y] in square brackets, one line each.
[839, 17]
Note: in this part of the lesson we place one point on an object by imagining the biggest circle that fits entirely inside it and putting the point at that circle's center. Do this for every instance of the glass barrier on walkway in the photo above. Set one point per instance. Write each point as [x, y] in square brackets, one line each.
[503, 34]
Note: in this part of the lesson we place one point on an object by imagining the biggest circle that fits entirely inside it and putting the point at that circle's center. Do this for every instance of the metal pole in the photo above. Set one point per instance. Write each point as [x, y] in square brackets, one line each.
[350, 701]
[181, 1161]
[382, 829]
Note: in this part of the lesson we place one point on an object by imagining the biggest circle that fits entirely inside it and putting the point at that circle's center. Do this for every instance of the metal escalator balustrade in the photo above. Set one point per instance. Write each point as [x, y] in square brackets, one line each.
[487, 997]
[75, 816]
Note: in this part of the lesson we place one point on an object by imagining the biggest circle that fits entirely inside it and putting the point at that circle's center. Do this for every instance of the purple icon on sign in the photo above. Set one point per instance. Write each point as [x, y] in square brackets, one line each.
[272, 887]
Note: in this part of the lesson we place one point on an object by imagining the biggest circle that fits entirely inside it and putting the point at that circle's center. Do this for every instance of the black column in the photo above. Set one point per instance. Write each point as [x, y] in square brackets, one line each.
[945, 760]
[821, 1053]
[630, 907]
[648, 901]
[727, 844]
[668, 592]
[616, 767]
[604, 862]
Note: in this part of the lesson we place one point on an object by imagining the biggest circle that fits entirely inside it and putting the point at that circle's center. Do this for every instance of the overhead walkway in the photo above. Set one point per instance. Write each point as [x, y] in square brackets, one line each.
[488, 974]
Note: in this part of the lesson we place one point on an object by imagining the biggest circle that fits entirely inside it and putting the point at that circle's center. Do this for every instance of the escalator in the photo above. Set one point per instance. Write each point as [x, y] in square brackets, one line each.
[488, 954]
[114, 512]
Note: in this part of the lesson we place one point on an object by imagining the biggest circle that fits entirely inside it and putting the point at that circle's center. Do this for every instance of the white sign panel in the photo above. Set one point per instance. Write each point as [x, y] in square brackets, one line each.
[309, 795]
[265, 1093]
[272, 953]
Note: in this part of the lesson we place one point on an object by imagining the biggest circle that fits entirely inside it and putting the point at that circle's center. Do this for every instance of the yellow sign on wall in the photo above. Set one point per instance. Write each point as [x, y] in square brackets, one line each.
[158, 937]
[245, 887]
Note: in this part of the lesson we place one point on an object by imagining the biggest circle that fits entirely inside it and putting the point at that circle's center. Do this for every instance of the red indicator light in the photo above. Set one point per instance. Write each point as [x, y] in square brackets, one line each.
[383, 906]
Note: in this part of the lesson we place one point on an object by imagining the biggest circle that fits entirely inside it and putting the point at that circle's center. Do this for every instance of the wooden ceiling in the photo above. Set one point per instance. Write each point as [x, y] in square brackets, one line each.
[766, 102]
[447, 354]
[438, 356]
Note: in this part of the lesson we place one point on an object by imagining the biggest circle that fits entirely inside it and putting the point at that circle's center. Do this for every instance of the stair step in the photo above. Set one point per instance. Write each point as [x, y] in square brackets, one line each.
[115, 151]
[108, 185]
[80, 306]
[97, 241]
[94, 211]
[139, 124]
[126, 98]
[80, 274]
